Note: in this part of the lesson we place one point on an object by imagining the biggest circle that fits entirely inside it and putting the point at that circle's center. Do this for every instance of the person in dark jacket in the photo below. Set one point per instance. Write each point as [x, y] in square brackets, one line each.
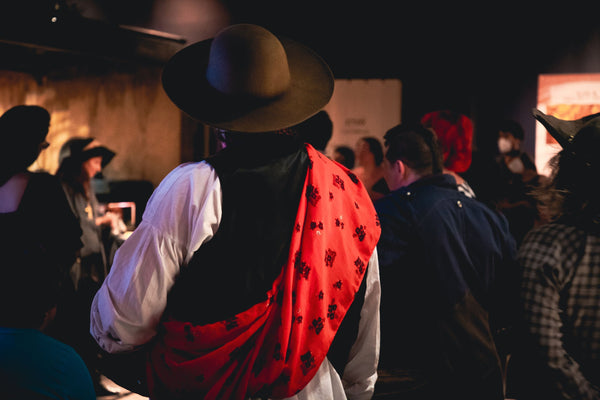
[446, 265]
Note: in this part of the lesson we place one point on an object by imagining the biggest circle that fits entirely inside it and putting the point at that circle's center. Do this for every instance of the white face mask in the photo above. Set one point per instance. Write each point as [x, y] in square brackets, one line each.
[504, 145]
[516, 166]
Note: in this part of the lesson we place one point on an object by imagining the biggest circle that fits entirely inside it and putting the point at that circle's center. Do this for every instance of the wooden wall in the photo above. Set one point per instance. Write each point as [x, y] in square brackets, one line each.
[127, 111]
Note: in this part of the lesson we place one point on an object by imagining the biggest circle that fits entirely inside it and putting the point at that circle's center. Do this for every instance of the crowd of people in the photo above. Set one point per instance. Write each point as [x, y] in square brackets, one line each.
[270, 270]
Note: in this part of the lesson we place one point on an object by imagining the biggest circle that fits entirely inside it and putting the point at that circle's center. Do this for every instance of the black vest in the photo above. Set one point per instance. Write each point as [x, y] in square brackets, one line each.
[261, 187]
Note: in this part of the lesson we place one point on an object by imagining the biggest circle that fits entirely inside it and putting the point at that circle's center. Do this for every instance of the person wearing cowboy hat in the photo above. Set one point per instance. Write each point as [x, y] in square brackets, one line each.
[80, 160]
[557, 351]
[253, 273]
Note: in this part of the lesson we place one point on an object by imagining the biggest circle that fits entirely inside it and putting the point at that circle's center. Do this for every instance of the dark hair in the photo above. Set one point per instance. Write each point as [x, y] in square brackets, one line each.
[568, 193]
[22, 129]
[512, 127]
[416, 146]
[317, 130]
[375, 147]
[348, 155]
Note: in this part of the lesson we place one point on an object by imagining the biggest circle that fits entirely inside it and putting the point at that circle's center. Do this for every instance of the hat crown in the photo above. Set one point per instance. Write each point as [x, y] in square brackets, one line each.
[248, 61]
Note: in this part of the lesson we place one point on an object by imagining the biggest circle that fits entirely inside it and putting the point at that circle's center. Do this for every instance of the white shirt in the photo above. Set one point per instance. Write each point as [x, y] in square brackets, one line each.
[183, 213]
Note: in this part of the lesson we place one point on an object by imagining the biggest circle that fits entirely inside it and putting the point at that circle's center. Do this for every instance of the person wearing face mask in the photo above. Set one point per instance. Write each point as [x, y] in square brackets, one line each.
[518, 176]
[517, 161]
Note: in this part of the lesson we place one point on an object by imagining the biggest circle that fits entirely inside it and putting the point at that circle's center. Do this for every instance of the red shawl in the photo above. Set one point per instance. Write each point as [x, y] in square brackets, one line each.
[274, 348]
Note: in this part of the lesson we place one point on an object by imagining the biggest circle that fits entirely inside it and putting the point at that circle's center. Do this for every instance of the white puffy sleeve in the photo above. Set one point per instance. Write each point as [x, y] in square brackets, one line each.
[183, 212]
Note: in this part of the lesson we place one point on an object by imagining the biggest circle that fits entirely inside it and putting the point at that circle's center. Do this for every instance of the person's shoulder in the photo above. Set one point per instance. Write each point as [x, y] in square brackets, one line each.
[188, 181]
[555, 234]
[71, 372]
[392, 207]
[188, 173]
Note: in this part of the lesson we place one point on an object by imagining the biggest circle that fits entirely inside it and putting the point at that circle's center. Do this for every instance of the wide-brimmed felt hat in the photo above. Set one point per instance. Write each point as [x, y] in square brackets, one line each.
[246, 79]
[79, 150]
[580, 137]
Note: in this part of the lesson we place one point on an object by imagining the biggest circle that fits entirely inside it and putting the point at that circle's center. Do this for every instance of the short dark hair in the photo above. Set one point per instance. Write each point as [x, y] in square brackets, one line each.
[348, 155]
[416, 146]
[512, 127]
[375, 147]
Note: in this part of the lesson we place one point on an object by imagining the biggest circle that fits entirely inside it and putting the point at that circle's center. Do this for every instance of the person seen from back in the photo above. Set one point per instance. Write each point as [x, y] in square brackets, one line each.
[558, 349]
[517, 178]
[447, 268]
[80, 160]
[345, 156]
[368, 157]
[253, 273]
[454, 132]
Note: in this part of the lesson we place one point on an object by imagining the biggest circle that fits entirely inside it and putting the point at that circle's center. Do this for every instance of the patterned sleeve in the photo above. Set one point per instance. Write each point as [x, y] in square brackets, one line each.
[544, 257]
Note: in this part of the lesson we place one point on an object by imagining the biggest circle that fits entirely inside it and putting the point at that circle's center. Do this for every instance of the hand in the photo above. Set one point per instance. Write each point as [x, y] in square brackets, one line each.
[114, 220]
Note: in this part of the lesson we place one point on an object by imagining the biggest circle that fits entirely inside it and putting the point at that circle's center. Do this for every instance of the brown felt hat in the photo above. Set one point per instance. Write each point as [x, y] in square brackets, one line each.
[79, 149]
[246, 79]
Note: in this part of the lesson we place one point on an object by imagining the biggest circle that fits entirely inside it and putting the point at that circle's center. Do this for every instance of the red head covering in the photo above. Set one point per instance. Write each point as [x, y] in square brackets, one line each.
[455, 135]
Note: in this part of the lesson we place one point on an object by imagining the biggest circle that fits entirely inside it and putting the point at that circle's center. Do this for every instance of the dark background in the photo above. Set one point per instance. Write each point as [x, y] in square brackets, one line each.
[483, 60]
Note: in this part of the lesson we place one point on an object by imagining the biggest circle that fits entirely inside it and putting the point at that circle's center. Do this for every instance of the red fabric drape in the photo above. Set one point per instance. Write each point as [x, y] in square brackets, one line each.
[275, 347]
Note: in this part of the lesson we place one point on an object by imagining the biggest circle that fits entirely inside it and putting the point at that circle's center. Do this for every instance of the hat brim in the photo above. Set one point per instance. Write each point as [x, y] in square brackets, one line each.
[311, 86]
[98, 151]
[563, 131]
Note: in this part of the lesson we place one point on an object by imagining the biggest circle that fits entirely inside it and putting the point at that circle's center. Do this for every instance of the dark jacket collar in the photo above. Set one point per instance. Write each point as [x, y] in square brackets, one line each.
[441, 180]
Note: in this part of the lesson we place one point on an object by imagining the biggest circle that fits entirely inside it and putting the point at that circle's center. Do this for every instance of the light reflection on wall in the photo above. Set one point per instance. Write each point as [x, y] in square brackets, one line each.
[130, 113]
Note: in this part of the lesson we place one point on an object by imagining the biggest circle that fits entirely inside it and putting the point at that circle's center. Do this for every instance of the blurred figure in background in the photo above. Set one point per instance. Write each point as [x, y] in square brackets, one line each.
[557, 353]
[345, 156]
[80, 160]
[455, 136]
[369, 156]
[517, 178]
